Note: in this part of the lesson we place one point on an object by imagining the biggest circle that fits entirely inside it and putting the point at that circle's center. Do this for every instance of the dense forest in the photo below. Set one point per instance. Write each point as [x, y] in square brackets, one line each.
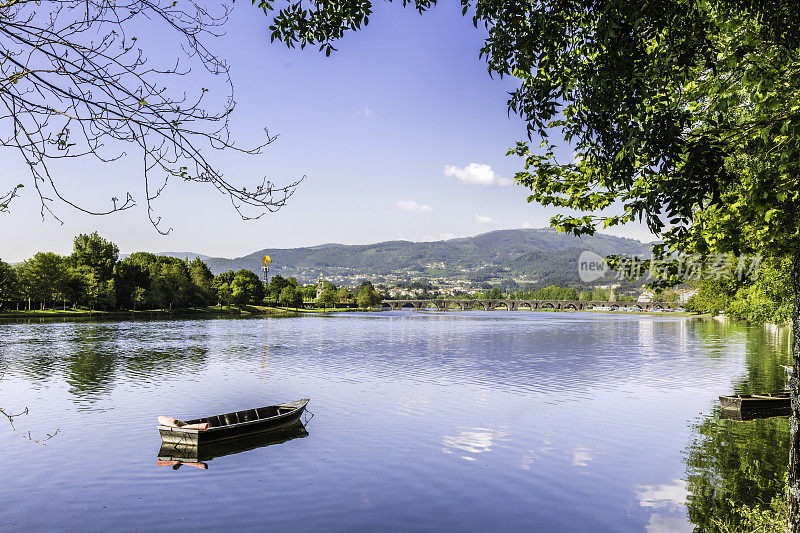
[766, 298]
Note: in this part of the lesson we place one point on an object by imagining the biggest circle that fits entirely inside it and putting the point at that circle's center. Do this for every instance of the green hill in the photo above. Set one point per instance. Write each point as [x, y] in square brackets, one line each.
[531, 256]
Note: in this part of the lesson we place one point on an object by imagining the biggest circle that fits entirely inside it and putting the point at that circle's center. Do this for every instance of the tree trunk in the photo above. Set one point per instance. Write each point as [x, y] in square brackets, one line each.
[793, 525]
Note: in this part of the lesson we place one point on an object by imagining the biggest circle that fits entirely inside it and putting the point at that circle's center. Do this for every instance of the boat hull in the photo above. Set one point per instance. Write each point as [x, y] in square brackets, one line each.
[755, 401]
[234, 425]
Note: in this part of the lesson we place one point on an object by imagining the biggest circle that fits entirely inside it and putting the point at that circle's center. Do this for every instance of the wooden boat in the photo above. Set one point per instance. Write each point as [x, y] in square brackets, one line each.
[233, 425]
[756, 401]
[176, 455]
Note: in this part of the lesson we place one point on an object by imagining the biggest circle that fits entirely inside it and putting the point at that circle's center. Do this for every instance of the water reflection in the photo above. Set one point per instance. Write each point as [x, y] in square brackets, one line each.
[175, 455]
[472, 441]
[733, 464]
[659, 496]
[458, 421]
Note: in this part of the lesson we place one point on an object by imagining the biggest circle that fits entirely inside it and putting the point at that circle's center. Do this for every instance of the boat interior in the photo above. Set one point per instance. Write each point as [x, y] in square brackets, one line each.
[248, 415]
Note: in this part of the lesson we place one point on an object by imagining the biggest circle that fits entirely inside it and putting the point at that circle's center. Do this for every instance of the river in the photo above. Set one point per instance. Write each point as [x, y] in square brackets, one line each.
[457, 421]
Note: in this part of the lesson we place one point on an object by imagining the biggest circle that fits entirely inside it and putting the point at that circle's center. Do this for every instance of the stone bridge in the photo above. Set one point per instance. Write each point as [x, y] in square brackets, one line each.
[516, 305]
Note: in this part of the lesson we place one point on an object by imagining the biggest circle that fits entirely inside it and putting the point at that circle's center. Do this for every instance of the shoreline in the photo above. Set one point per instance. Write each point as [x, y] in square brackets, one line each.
[260, 311]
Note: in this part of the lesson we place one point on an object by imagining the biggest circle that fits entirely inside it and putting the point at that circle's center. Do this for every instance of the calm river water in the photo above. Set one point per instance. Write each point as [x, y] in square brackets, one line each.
[458, 421]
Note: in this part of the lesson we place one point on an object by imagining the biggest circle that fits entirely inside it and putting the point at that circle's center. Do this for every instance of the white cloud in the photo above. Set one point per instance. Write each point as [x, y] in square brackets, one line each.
[476, 174]
[411, 205]
[446, 236]
[527, 225]
[480, 219]
[366, 112]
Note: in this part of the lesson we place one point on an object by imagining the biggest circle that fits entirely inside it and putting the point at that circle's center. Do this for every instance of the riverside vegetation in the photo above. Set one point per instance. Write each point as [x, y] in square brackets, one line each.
[94, 278]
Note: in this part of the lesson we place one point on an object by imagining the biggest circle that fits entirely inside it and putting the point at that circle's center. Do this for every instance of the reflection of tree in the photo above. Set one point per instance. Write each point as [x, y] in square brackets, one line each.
[767, 350]
[732, 465]
[736, 467]
[104, 355]
[90, 368]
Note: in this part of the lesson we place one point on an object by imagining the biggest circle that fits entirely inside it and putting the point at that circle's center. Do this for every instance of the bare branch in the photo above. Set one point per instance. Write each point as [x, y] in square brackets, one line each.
[75, 83]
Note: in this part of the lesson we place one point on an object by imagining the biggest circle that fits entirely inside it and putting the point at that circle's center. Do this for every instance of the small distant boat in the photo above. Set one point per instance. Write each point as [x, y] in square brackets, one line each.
[230, 425]
[756, 401]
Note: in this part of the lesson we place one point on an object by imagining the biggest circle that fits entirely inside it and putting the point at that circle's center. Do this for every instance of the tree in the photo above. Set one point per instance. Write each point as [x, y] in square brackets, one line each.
[203, 281]
[95, 253]
[494, 294]
[247, 288]
[327, 298]
[75, 81]
[43, 278]
[224, 294]
[222, 287]
[276, 285]
[9, 284]
[310, 292]
[343, 296]
[132, 280]
[367, 296]
[290, 297]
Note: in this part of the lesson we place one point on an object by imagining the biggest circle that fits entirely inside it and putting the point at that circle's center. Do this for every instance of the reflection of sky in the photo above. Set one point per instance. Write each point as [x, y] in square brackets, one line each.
[647, 336]
[668, 495]
[670, 500]
[667, 524]
[581, 456]
[471, 440]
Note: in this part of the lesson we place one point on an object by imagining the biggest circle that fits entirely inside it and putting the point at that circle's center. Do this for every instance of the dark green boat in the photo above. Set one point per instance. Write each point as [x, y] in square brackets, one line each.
[233, 425]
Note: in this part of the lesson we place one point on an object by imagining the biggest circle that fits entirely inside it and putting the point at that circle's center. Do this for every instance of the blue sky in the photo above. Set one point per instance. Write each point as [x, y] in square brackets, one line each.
[402, 134]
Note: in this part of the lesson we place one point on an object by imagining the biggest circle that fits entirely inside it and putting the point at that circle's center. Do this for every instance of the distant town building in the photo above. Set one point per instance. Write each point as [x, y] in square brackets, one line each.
[685, 294]
[646, 297]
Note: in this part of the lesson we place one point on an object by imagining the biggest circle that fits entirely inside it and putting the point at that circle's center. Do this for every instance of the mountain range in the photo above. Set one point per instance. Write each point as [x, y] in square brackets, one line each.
[535, 257]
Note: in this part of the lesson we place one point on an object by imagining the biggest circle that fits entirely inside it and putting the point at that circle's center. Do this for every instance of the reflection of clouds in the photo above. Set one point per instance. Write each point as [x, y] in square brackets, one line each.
[581, 456]
[673, 495]
[670, 497]
[528, 459]
[667, 524]
[472, 440]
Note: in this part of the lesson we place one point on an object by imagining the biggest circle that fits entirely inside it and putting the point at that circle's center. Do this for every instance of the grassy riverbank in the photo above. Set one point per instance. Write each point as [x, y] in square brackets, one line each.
[86, 313]
[245, 311]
